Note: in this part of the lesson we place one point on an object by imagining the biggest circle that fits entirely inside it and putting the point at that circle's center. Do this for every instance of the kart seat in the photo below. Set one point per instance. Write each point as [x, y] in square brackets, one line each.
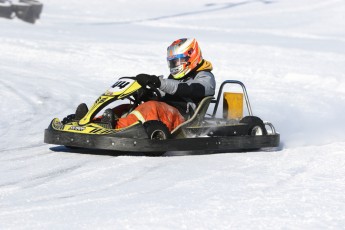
[195, 120]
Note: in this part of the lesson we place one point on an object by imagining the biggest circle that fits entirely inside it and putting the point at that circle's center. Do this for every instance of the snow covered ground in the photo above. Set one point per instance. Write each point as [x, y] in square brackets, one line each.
[289, 53]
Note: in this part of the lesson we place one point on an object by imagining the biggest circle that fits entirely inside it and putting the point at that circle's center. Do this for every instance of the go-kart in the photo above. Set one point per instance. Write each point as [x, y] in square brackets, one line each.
[218, 131]
[26, 10]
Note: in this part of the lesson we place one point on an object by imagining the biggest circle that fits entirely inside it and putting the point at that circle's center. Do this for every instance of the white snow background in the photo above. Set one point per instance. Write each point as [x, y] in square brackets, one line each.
[289, 53]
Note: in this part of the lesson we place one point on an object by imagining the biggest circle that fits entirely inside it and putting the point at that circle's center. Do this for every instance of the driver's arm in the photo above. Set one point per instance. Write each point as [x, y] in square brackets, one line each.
[202, 85]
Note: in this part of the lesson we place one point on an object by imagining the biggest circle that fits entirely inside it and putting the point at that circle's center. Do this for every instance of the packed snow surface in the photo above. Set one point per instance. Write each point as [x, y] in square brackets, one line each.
[290, 54]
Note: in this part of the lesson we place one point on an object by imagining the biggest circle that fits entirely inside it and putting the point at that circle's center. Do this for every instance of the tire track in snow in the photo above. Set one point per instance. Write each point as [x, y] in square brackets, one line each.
[40, 179]
[17, 93]
[84, 195]
[211, 7]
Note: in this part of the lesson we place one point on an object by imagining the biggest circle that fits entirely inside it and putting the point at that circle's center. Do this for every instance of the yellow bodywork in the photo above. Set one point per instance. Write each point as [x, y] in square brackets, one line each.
[91, 128]
[108, 96]
[120, 90]
[233, 105]
[74, 127]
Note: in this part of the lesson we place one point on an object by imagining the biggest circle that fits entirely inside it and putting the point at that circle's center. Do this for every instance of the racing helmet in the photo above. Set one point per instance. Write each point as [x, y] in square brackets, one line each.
[183, 56]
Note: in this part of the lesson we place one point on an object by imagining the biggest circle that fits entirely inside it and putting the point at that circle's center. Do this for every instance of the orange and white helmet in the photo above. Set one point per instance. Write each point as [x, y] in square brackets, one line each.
[183, 56]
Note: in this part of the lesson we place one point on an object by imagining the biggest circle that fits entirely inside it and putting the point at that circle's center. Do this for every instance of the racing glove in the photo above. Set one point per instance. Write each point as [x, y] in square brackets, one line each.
[150, 80]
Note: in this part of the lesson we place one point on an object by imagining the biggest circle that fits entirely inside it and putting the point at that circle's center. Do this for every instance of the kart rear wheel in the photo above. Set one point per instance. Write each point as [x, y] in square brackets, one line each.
[256, 126]
[156, 130]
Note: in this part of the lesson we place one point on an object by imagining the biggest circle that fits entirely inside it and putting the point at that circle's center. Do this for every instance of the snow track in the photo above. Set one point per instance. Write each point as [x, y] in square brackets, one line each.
[289, 54]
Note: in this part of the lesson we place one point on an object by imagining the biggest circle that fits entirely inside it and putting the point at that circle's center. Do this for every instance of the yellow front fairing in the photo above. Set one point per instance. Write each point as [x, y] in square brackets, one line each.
[91, 128]
[73, 127]
[95, 108]
[121, 89]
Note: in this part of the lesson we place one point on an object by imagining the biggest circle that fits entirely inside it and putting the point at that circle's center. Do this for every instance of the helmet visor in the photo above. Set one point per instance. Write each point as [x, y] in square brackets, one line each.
[177, 61]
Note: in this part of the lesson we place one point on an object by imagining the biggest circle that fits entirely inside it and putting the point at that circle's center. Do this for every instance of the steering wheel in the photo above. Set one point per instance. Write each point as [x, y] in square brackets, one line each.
[151, 94]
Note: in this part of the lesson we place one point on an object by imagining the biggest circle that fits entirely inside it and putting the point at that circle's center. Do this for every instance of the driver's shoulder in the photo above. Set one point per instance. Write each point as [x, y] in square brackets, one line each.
[202, 74]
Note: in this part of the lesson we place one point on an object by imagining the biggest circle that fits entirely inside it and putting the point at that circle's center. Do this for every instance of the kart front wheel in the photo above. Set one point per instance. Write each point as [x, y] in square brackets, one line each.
[156, 130]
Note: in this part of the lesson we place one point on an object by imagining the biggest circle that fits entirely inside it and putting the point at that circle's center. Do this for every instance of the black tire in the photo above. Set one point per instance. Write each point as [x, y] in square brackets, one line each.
[256, 126]
[156, 130]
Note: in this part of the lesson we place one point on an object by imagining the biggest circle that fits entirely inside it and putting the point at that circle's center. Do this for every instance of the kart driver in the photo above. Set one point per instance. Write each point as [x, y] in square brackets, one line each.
[190, 80]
